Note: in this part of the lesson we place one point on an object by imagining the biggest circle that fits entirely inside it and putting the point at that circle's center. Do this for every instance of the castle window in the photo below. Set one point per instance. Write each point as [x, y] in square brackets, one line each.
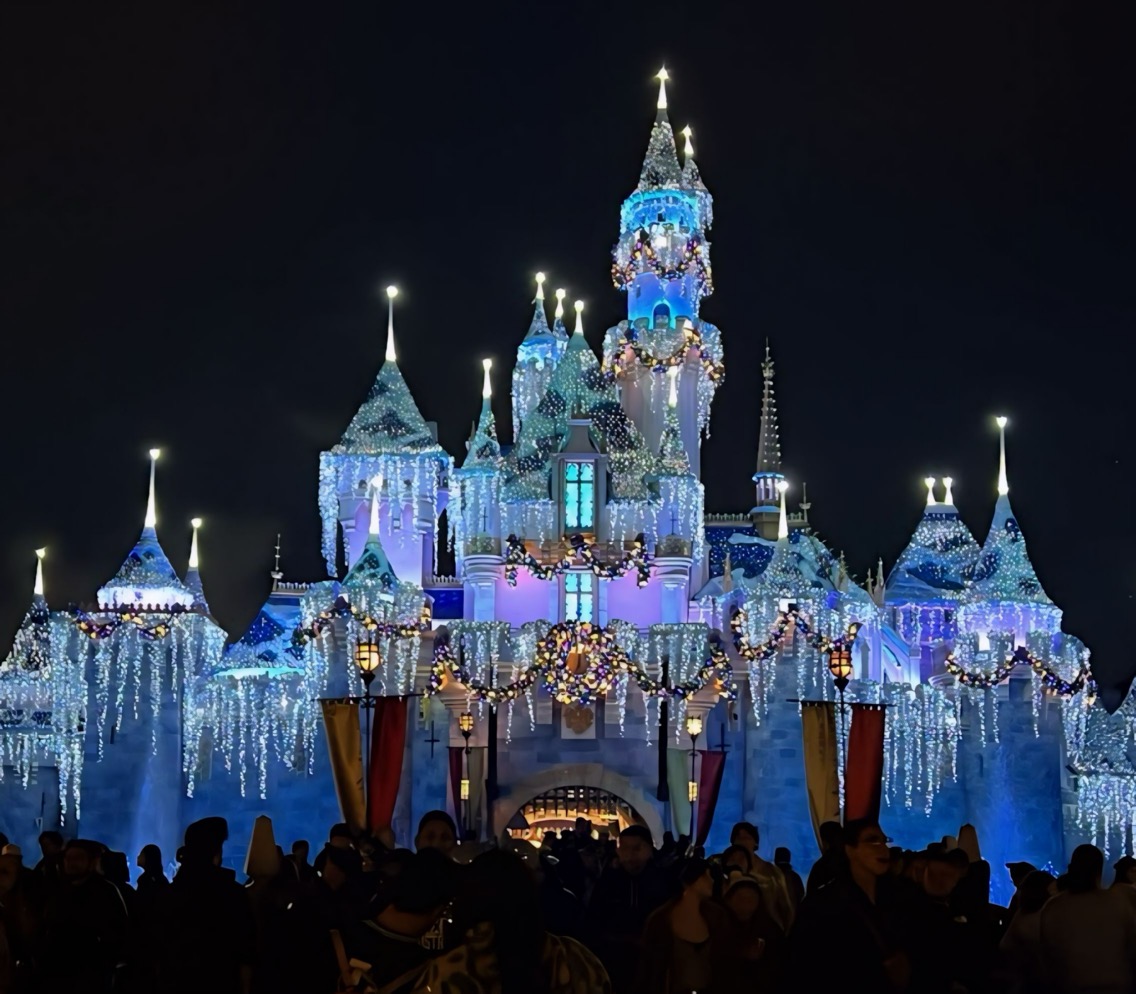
[579, 597]
[579, 496]
[662, 315]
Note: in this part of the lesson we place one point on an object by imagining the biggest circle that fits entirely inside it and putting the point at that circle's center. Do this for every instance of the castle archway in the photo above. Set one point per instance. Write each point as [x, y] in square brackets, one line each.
[589, 783]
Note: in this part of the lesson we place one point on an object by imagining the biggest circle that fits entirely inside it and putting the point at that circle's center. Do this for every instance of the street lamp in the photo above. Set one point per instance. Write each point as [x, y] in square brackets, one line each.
[465, 724]
[840, 668]
[367, 661]
[693, 729]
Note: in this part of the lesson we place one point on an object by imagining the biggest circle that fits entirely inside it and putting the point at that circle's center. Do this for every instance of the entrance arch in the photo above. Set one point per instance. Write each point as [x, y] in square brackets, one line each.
[593, 775]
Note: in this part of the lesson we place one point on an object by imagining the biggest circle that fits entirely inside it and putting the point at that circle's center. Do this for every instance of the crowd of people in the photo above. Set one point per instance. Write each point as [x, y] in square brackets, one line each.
[588, 912]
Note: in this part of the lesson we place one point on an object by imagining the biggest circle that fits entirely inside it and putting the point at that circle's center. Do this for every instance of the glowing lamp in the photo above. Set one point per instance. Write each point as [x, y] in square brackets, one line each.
[465, 788]
[392, 292]
[694, 725]
[367, 660]
[840, 663]
[692, 791]
[465, 723]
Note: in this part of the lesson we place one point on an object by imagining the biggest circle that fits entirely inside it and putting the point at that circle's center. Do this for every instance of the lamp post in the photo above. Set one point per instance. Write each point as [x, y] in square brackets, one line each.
[367, 661]
[465, 724]
[840, 667]
[693, 729]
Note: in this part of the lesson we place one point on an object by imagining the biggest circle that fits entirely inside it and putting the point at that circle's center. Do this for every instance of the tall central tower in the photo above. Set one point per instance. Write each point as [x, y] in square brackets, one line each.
[662, 262]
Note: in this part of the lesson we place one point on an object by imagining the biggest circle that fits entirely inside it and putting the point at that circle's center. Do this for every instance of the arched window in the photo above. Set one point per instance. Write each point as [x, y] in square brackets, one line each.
[662, 314]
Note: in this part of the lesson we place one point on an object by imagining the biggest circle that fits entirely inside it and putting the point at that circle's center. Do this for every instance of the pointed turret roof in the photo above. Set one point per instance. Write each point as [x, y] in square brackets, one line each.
[372, 569]
[690, 174]
[146, 576]
[936, 563]
[538, 327]
[267, 645]
[660, 166]
[389, 422]
[193, 574]
[484, 451]
[769, 442]
[31, 647]
[559, 329]
[1003, 571]
[578, 389]
[673, 460]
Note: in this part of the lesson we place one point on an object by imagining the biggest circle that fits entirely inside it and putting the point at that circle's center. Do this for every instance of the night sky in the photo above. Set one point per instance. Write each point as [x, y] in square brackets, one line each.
[929, 212]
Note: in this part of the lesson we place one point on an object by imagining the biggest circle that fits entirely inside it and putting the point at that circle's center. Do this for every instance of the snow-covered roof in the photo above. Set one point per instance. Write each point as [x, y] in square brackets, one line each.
[1003, 572]
[937, 561]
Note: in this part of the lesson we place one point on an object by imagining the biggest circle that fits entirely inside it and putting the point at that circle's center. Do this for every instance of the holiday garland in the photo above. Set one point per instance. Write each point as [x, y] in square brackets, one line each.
[643, 258]
[128, 616]
[1052, 682]
[380, 630]
[765, 650]
[604, 661]
[618, 362]
[583, 553]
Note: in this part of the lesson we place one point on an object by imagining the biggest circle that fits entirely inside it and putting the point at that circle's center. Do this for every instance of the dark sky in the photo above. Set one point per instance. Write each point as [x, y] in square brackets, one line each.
[928, 210]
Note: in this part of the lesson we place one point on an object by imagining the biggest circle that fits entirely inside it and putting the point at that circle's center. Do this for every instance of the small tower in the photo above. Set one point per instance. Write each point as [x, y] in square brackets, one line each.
[193, 575]
[387, 438]
[537, 357]
[1005, 596]
[146, 578]
[479, 480]
[766, 511]
[662, 263]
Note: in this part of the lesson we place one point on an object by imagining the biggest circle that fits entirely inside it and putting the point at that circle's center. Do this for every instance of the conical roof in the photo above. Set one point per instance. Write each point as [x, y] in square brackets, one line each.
[578, 389]
[661, 170]
[267, 644]
[31, 647]
[372, 569]
[673, 460]
[388, 422]
[937, 561]
[483, 451]
[1003, 572]
[538, 327]
[146, 577]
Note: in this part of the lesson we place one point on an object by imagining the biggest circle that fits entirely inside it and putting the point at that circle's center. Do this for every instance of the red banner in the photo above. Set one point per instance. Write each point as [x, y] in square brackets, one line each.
[388, 743]
[456, 767]
[864, 763]
[709, 786]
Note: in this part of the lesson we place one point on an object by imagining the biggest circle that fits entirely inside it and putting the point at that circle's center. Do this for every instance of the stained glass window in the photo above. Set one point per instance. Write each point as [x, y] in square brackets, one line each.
[579, 496]
[579, 597]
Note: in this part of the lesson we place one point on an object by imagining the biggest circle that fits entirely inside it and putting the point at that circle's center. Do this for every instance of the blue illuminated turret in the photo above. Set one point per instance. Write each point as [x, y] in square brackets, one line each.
[537, 357]
[662, 257]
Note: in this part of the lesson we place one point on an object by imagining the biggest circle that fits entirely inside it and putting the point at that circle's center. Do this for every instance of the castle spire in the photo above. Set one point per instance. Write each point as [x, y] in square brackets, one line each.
[392, 292]
[660, 166]
[948, 495]
[783, 519]
[1003, 482]
[558, 328]
[151, 520]
[37, 590]
[929, 483]
[690, 175]
[768, 444]
[483, 448]
[539, 323]
[579, 329]
[193, 575]
[373, 525]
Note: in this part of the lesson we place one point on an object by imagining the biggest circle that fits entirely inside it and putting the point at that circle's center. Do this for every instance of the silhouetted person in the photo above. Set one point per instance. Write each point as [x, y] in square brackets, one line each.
[783, 860]
[831, 861]
[436, 830]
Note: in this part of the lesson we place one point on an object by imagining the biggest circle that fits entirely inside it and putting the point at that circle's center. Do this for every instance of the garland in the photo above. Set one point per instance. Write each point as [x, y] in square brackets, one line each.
[1052, 682]
[765, 650]
[605, 661]
[381, 630]
[643, 258]
[637, 558]
[617, 364]
[128, 616]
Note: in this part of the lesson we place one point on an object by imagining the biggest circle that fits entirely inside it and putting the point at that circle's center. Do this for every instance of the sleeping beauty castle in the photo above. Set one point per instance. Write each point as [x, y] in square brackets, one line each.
[604, 648]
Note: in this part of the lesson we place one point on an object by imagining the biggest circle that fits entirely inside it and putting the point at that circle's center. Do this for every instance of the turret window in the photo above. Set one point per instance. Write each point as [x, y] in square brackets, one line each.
[579, 597]
[579, 496]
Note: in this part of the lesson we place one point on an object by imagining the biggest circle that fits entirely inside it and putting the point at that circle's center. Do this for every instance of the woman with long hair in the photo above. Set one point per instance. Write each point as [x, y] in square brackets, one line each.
[506, 949]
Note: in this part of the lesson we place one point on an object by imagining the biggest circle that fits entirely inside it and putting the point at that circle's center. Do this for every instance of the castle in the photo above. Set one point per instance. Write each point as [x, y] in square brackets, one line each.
[596, 616]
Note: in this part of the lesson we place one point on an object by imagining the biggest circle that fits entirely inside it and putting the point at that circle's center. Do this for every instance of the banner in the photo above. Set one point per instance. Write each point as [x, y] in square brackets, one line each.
[818, 727]
[864, 763]
[678, 776]
[709, 786]
[457, 764]
[388, 745]
[341, 723]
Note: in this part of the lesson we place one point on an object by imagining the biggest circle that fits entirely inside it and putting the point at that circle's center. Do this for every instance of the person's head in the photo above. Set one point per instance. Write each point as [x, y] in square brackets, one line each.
[1037, 888]
[583, 828]
[738, 858]
[340, 836]
[636, 847]
[50, 843]
[831, 837]
[1019, 871]
[422, 890]
[745, 834]
[696, 879]
[340, 866]
[13, 851]
[79, 859]
[1124, 871]
[866, 847]
[436, 830]
[743, 897]
[301, 850]
[782, 856]
[942, 873]
[114, 867]
[205, 841]
[150, 859]
[1085, 869]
